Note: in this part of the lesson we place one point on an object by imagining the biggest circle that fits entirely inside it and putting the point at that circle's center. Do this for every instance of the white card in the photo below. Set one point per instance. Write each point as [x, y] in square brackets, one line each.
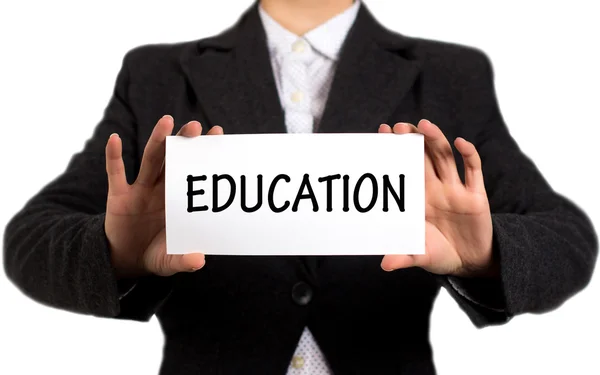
[376, 205]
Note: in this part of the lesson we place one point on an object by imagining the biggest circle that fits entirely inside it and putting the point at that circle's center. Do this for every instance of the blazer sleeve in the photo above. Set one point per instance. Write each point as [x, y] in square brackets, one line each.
[545, 244]
[55, 248]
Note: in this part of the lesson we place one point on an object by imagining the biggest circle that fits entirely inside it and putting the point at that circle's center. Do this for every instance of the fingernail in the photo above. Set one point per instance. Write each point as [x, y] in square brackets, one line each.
[112, 135]
[168, 116]
[387, 269]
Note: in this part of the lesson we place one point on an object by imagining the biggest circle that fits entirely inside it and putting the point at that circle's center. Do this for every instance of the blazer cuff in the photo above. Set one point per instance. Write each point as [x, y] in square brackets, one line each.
[483, 299]
[100, 290]
[486, 293]
[478, 299]
[130, 299]
[125, 287]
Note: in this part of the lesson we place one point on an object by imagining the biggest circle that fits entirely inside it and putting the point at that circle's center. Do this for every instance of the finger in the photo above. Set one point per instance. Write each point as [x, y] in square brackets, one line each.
[431, 176]
[157, 261]
[393, 262]
[404, 128]
[154, 152]
[384, 128]
[115, 168]
[215, 130]
[191, 129]
[472, 161]
[186, 263]
[440, 151]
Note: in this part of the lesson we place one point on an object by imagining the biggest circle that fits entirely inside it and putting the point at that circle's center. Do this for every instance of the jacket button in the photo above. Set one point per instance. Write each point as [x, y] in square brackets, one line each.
[302, 293]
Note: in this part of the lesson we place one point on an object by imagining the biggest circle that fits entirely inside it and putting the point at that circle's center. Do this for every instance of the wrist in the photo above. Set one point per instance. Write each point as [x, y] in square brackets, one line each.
[487, 268]
[124, 264]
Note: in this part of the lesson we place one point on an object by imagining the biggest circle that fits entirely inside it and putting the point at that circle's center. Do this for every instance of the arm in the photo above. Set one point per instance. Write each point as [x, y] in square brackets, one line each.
[56, 250]
[544, 245]
[499, 238]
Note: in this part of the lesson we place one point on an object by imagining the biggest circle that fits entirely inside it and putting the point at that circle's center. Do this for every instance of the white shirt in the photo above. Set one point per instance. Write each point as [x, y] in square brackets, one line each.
[304, 68]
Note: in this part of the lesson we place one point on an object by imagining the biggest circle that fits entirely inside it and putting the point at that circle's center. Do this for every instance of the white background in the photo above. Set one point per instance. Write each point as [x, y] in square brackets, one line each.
[58, 63]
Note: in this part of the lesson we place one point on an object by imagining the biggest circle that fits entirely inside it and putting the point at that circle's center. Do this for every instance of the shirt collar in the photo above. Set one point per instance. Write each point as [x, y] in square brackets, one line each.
[327, 38]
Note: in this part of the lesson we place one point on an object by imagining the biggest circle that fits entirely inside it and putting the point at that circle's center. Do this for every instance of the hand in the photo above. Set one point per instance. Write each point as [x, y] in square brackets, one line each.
[135, 214]
[458, 222]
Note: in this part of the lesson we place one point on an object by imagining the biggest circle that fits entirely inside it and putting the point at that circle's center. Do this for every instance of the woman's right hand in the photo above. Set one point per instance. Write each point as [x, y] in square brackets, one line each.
[135, 214]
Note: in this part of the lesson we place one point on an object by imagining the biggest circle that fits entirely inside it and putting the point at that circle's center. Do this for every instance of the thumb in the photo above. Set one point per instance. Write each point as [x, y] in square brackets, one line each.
[393, 262]
[158, 262]
[186, 262]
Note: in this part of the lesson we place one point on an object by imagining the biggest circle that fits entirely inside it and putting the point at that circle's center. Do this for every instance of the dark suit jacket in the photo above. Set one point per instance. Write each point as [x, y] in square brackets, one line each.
[244, 315]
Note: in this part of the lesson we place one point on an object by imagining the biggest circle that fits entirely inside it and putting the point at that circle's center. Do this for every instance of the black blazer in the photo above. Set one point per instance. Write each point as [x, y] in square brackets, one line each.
[244, 315]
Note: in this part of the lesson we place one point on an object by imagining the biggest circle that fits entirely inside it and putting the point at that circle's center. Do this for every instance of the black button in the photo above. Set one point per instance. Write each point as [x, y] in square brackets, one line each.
[302, 293]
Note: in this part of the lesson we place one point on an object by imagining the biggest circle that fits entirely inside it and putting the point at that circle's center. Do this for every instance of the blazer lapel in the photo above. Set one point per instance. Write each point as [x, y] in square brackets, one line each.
[232, 78]
[233, 85]
[371, 78]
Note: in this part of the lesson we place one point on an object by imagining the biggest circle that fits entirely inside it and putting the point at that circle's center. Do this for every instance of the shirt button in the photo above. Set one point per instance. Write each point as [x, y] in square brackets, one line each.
[302, 293]
[297, 96]
[299, 46]
[297, 362]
